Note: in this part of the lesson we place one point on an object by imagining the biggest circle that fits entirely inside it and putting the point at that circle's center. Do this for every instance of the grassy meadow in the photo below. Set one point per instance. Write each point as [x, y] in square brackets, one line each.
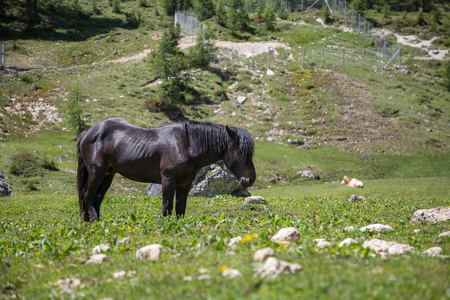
[43, 241]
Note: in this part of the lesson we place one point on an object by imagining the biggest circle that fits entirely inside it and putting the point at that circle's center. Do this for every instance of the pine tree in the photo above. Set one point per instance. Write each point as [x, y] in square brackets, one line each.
[167, 62]
[221, 13]
[204, 9]
[201, 55]
[74, 109]
[238, 15]
[268, 16]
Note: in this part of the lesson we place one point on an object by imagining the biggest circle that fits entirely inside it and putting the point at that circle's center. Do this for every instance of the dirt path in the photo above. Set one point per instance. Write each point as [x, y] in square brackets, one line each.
[246, 49]
[414, 41]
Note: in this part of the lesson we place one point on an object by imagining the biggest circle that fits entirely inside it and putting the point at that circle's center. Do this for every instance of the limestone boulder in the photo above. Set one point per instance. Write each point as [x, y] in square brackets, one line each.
[432, 215]
[377, 228]
[286, 235]
[211, 181]
[274, 267]
[263, 254]
[5, 188]
[433, 251]
[97, 259]
[150, 252]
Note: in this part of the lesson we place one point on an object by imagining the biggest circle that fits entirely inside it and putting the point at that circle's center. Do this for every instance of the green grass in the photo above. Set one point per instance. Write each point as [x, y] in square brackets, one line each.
[42, 233]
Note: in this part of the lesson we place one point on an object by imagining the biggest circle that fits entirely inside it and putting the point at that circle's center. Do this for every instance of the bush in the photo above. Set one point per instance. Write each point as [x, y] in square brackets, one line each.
[49, 164]
[386, 11]
[24, 164]
[31, 185]
[133, 20]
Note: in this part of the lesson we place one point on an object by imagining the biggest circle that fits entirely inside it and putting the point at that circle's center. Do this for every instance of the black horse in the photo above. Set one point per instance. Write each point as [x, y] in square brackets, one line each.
[171, 155]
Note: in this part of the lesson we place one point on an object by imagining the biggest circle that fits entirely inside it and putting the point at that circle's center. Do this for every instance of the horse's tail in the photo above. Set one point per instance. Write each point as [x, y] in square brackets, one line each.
[82, 176]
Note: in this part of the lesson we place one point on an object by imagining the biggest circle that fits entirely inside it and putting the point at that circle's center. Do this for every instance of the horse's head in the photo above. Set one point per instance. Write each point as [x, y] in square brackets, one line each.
[238, 156]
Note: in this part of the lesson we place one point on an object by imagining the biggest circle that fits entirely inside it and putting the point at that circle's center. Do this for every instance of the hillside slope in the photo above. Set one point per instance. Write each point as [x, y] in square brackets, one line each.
[401, 111]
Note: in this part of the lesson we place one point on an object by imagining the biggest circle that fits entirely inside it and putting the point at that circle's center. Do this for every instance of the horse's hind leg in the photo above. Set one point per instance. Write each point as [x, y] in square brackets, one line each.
[182, 194]
[95, 179]
[168, 191]
[101, 192]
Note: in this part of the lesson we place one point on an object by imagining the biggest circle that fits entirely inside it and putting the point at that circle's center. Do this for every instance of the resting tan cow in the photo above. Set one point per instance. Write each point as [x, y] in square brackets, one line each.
[353, 182]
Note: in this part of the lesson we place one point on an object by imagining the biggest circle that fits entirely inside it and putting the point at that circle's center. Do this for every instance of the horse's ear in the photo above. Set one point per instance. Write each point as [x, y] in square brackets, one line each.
[233, 135]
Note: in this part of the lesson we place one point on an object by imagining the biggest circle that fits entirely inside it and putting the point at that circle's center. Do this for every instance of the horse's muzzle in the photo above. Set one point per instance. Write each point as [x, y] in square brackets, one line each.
[247, 181]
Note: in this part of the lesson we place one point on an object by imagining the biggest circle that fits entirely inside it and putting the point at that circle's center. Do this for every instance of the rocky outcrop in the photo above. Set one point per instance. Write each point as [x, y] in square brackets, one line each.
[432, 215]
[211, 181]
[5, 188]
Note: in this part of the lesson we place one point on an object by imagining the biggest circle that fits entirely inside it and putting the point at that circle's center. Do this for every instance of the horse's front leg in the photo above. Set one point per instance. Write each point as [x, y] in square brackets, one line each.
[182, 194]
[168, 191]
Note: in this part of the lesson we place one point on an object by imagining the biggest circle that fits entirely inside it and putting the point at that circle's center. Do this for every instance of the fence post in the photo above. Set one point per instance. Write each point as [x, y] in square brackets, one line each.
[321, 60]
[3, 54]
[359, 23]
[352, 17]
[345, 10]
[368, 31]
[400, 58]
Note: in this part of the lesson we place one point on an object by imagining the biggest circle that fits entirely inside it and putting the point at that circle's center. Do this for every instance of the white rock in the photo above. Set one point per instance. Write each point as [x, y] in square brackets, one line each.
[234, 240]
[399, 249]
[286, 234]
[262, 254]
[349, 228]
[241, 99]
[377, 228]
[323, 244]
[274, 267]
[433, 251]
[231, 273]
[355, 198]
[67, 284]
[270, 72]
[318, 240]
[124, 241]
[255, 200]
[378, 245]
[150, 252]
[119, 274]
[100, 248]
[347, 242]
[432, 215]
[447, 233]
[97, 259]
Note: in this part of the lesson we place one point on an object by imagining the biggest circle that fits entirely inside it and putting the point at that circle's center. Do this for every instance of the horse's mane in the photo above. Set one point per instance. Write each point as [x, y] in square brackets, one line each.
[214, 137]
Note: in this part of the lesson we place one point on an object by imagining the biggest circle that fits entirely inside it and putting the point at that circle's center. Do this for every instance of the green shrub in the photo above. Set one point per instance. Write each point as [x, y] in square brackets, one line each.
[31, 185]
[24, 164]
[133, 20]
[49, 164]
[386, 11]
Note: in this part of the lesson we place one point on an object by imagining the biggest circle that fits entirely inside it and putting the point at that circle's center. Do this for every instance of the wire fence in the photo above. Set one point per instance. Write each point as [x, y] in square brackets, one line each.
[319, 56]
[189, 24]
[383, 53]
